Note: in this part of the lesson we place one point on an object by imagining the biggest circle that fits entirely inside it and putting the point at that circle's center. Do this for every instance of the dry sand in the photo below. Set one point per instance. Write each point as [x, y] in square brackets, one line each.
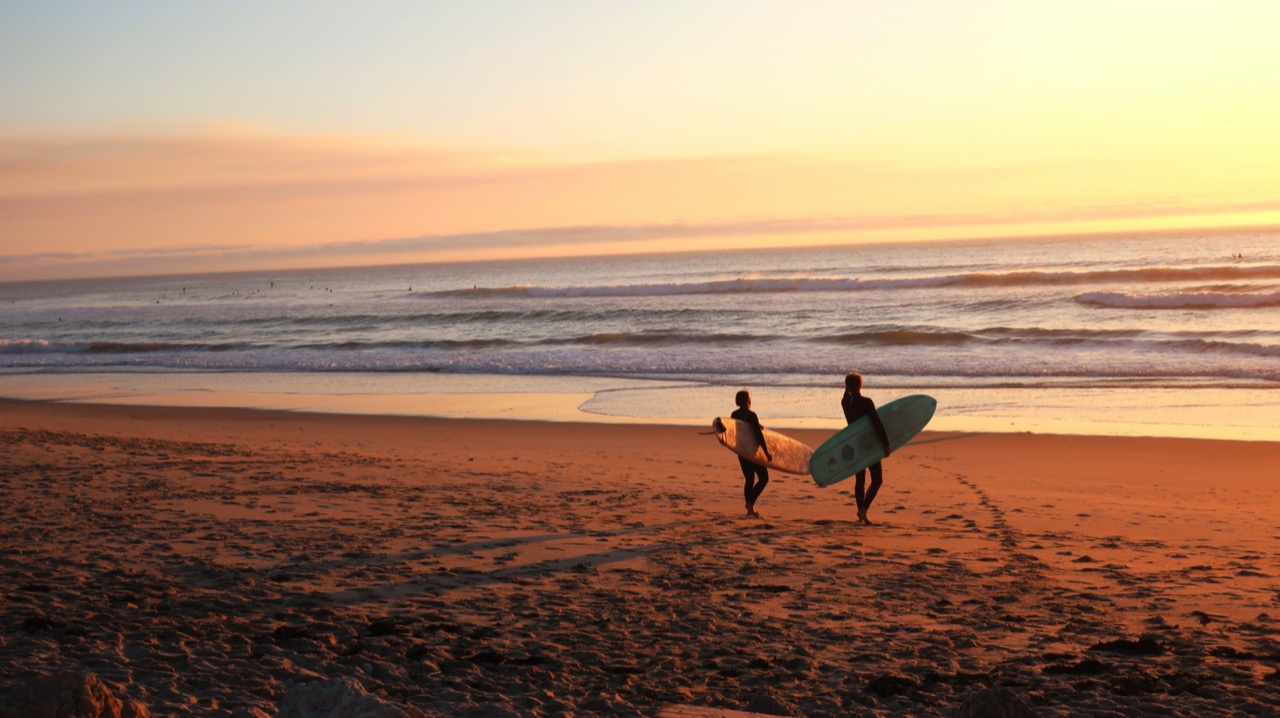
[205, 561]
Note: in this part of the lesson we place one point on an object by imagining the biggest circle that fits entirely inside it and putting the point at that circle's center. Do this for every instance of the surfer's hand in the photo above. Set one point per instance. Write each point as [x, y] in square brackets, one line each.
[768, 456]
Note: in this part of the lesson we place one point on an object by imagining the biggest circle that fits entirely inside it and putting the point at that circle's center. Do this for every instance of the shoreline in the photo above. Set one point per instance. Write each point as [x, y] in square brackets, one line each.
[216, 562]
[146, 416]
[1204, 412]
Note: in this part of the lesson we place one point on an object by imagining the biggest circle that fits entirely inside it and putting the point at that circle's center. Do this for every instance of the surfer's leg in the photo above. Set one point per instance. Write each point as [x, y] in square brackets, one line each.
[763, 473]
[748, 475]
[859, 493]
[877, 479]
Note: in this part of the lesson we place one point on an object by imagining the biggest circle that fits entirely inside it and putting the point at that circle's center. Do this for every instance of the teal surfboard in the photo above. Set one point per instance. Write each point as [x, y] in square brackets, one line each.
[857, 446]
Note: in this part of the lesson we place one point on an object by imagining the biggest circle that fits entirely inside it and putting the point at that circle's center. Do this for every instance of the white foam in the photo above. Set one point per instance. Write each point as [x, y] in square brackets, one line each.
[754, 284]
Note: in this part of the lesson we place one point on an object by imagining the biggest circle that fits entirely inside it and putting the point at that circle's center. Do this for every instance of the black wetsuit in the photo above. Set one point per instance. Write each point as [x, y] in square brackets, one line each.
[855, 407]
[752, 489]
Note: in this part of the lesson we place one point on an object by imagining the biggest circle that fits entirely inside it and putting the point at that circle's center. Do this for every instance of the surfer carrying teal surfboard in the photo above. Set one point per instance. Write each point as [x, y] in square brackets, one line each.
[855, 407]
[752, 489]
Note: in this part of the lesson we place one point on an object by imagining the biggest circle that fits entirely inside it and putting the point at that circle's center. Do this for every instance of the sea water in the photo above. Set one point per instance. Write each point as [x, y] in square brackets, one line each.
[1174, 333]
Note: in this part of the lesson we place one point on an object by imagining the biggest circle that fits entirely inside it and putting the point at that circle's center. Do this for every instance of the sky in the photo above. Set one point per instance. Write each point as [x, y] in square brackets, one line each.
[171, 136]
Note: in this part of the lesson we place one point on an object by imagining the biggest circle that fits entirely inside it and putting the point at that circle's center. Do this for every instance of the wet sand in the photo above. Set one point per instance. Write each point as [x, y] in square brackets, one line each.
[216, 562]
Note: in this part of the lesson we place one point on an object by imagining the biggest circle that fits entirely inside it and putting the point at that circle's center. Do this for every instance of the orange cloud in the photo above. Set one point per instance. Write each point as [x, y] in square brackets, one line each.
[98, 205]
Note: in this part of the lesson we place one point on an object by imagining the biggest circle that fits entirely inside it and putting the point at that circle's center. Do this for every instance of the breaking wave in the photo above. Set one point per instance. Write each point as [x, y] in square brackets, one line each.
[1181, 300]
[772, 285]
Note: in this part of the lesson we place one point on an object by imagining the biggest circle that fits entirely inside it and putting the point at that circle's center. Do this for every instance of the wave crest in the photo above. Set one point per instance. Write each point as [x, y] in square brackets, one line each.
[1181, 300]
[773, 285]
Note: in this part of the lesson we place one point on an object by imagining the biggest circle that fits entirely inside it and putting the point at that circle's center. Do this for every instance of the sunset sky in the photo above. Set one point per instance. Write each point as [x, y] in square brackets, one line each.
[142, 137]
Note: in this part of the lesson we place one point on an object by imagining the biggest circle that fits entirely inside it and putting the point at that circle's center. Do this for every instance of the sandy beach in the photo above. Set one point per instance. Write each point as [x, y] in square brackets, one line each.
[221, 562]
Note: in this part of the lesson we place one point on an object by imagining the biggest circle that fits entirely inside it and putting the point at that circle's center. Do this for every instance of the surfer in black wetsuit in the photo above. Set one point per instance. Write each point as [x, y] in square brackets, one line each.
[752, 489]
[855, 407]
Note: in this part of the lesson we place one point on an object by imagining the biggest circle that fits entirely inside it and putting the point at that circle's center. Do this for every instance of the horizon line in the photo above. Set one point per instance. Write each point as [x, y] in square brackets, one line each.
[641, 252]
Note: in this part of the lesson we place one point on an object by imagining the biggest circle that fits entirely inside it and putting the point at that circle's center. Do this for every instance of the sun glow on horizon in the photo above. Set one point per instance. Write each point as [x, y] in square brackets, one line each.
[736, 124]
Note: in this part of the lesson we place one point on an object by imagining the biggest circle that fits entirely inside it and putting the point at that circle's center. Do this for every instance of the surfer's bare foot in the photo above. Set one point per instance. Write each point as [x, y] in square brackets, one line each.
[862, 518]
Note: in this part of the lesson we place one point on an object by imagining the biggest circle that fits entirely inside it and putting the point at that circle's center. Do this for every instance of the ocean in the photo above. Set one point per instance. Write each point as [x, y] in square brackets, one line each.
[1174, 333]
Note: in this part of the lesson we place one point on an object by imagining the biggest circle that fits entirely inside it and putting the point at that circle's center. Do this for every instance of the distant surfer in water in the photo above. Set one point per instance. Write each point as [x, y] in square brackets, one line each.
[855, 407]
[752, 489]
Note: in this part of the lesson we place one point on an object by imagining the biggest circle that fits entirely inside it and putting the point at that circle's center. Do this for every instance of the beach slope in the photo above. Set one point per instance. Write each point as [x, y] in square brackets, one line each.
[219, 562]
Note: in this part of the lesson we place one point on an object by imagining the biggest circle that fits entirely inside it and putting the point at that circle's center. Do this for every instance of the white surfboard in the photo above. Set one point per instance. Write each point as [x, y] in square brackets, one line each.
[737, 436]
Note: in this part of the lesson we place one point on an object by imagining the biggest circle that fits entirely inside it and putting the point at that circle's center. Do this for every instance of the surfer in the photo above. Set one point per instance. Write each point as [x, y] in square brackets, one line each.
[752, 489]
[855, 407]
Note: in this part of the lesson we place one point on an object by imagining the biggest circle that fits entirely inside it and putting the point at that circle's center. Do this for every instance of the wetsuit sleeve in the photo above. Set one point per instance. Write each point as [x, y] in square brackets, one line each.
[755, 424]
[879, 425]
[846, 404]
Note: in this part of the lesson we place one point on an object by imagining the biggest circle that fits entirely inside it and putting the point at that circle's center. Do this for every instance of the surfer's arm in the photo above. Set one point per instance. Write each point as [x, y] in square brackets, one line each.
[763, 446]
[879, 425]
[755, 424]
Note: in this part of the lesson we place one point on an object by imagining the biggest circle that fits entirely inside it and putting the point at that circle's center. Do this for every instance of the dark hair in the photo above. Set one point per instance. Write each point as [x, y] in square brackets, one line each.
[742, 398]
[853, 381]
